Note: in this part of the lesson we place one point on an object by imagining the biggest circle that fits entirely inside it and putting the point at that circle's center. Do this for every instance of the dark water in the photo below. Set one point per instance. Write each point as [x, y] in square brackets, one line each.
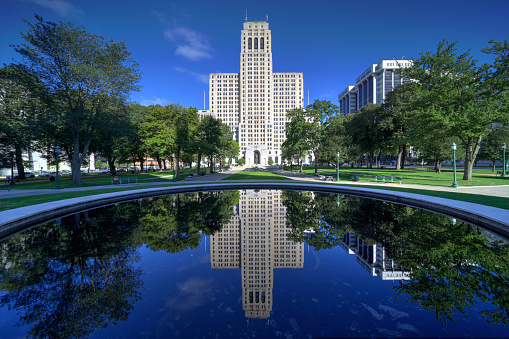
[254, 264]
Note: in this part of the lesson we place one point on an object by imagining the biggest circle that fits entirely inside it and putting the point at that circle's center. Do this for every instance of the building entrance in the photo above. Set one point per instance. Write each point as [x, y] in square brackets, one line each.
[256, 157]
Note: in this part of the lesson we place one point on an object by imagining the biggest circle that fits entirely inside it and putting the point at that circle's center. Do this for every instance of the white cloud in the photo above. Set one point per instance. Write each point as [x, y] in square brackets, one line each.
[154, 101]
[190, 44]
[203, 78]
[60, 7]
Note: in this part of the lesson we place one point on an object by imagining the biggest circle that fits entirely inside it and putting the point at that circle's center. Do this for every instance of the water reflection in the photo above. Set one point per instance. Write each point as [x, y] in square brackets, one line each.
[70, 278]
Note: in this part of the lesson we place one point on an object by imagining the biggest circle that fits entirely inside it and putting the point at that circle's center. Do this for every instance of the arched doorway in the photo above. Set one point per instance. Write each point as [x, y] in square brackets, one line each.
[256, 157]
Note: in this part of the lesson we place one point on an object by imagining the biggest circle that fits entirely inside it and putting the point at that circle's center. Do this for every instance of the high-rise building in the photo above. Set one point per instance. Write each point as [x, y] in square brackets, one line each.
[254, 101]
[372, 85]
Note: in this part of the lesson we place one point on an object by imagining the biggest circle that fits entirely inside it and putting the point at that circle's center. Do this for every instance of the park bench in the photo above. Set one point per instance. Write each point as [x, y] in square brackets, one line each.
[118, 181]
[381, 178]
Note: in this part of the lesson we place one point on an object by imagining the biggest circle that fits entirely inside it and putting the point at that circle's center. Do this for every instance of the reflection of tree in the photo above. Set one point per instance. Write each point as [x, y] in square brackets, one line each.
[453, 267]
[69, 280]
[174, 223]
[320, 213]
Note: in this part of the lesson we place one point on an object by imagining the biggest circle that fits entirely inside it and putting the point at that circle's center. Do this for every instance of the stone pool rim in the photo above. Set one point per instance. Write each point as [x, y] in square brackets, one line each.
[490, 218]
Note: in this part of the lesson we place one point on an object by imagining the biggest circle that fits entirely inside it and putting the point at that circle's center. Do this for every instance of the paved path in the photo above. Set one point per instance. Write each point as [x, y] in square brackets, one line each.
[495, 191]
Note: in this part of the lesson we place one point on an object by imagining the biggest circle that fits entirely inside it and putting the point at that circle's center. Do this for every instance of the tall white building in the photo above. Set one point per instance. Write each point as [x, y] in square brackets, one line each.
[372, 85]
[254, 101]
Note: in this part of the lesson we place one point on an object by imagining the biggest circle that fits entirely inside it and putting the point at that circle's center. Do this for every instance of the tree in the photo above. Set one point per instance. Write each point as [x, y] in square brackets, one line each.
[451, 97]
[319, 112]
[364, 129]
[81, 71]
[334, 140]
[299, 132]
[109, 142]
[491, 146]
[228, 148]
[159, 134]
[20, 109]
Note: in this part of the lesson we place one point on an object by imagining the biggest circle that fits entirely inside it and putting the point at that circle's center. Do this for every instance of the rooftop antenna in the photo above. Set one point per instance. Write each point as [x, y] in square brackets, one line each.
[246, 14]
[308, 97]
[204, 100]
[266, 18]
[403, 57]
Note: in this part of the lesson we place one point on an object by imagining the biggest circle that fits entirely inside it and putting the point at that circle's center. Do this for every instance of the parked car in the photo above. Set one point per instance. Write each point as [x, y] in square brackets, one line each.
[107, 170]
[27, 175]
[121, 169]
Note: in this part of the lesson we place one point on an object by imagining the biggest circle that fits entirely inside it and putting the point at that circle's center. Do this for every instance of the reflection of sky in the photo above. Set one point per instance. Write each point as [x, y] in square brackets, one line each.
[331, 296]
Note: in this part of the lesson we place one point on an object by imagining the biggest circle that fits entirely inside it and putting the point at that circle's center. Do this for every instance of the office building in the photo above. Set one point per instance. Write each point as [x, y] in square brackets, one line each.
[254, 101]
[373, 85]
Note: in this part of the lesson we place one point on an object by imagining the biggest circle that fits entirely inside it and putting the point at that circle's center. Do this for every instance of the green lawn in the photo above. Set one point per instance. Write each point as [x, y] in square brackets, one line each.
[412, 176]
[256, 175]
[98, 180]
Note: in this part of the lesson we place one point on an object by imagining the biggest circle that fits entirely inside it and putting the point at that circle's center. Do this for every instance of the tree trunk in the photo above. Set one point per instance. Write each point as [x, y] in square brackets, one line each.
[493, 168]
[378, 160]
[211, 164]
[177, 162]
[438, 166]
[398, 162]
[473, 145]
[18, 153]
[111, 163]
[371, 159]
[403, 157]
[199, 163]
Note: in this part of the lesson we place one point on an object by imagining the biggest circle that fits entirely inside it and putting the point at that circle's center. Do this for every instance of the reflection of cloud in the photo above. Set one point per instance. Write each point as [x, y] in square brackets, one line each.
[190, 44]
[60, 7]
[154, 101]
[191, 294]
[204, 78]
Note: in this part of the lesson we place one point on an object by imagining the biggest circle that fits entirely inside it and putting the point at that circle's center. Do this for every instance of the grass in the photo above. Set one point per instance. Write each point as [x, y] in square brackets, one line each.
[256, 175]
[498, 202]
[98, 180]
[412, 176]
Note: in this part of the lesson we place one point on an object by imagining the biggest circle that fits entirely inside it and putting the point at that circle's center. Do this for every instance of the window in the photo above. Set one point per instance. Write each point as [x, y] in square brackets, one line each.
[256, 43]
[261, 43]
[249, 43]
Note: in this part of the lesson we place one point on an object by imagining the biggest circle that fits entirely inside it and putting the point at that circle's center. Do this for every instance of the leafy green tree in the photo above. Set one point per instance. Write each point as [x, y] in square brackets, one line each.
[20, 108]
[228, 147]
[335, 139]
[491, 146]
[364, 129]
[159, 134]
[299, 134]
[81, 71]
[206, 141]
[451, 96]
[319, 113]
[109, 142]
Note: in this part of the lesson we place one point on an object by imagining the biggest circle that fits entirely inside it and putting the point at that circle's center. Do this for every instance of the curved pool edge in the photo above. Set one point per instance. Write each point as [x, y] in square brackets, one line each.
[491, 218]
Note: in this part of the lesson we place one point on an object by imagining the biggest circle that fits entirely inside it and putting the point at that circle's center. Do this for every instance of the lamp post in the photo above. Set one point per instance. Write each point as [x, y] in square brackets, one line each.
[173, 155]
[12, 167]
[57, 152]
[453, 147]
[337, 168]
[503, 162]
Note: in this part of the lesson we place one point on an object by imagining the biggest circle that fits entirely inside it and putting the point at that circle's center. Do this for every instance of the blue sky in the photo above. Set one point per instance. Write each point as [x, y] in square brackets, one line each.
[178, 43]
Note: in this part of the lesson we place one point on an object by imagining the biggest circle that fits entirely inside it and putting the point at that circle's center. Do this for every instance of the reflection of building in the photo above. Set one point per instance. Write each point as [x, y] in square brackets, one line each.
[254, 101]
[372, 86]
[255, 240]
[373, 258]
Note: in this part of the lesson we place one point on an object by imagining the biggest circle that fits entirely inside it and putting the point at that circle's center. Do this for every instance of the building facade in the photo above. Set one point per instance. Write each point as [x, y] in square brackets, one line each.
[254, 102]
[373, 85]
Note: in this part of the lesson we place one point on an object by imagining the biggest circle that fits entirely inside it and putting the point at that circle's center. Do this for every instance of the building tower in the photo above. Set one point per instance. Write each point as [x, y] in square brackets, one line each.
[254, 101]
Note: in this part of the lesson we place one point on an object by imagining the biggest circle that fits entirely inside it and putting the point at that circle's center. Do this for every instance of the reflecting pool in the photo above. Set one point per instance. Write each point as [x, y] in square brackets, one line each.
[235, 264]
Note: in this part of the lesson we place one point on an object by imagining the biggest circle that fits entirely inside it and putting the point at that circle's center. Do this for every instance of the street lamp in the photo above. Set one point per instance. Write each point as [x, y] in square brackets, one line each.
[337, 169]
[173, 155]
[453, 147]
[57, 152]
[503, 162]
[11, 153]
